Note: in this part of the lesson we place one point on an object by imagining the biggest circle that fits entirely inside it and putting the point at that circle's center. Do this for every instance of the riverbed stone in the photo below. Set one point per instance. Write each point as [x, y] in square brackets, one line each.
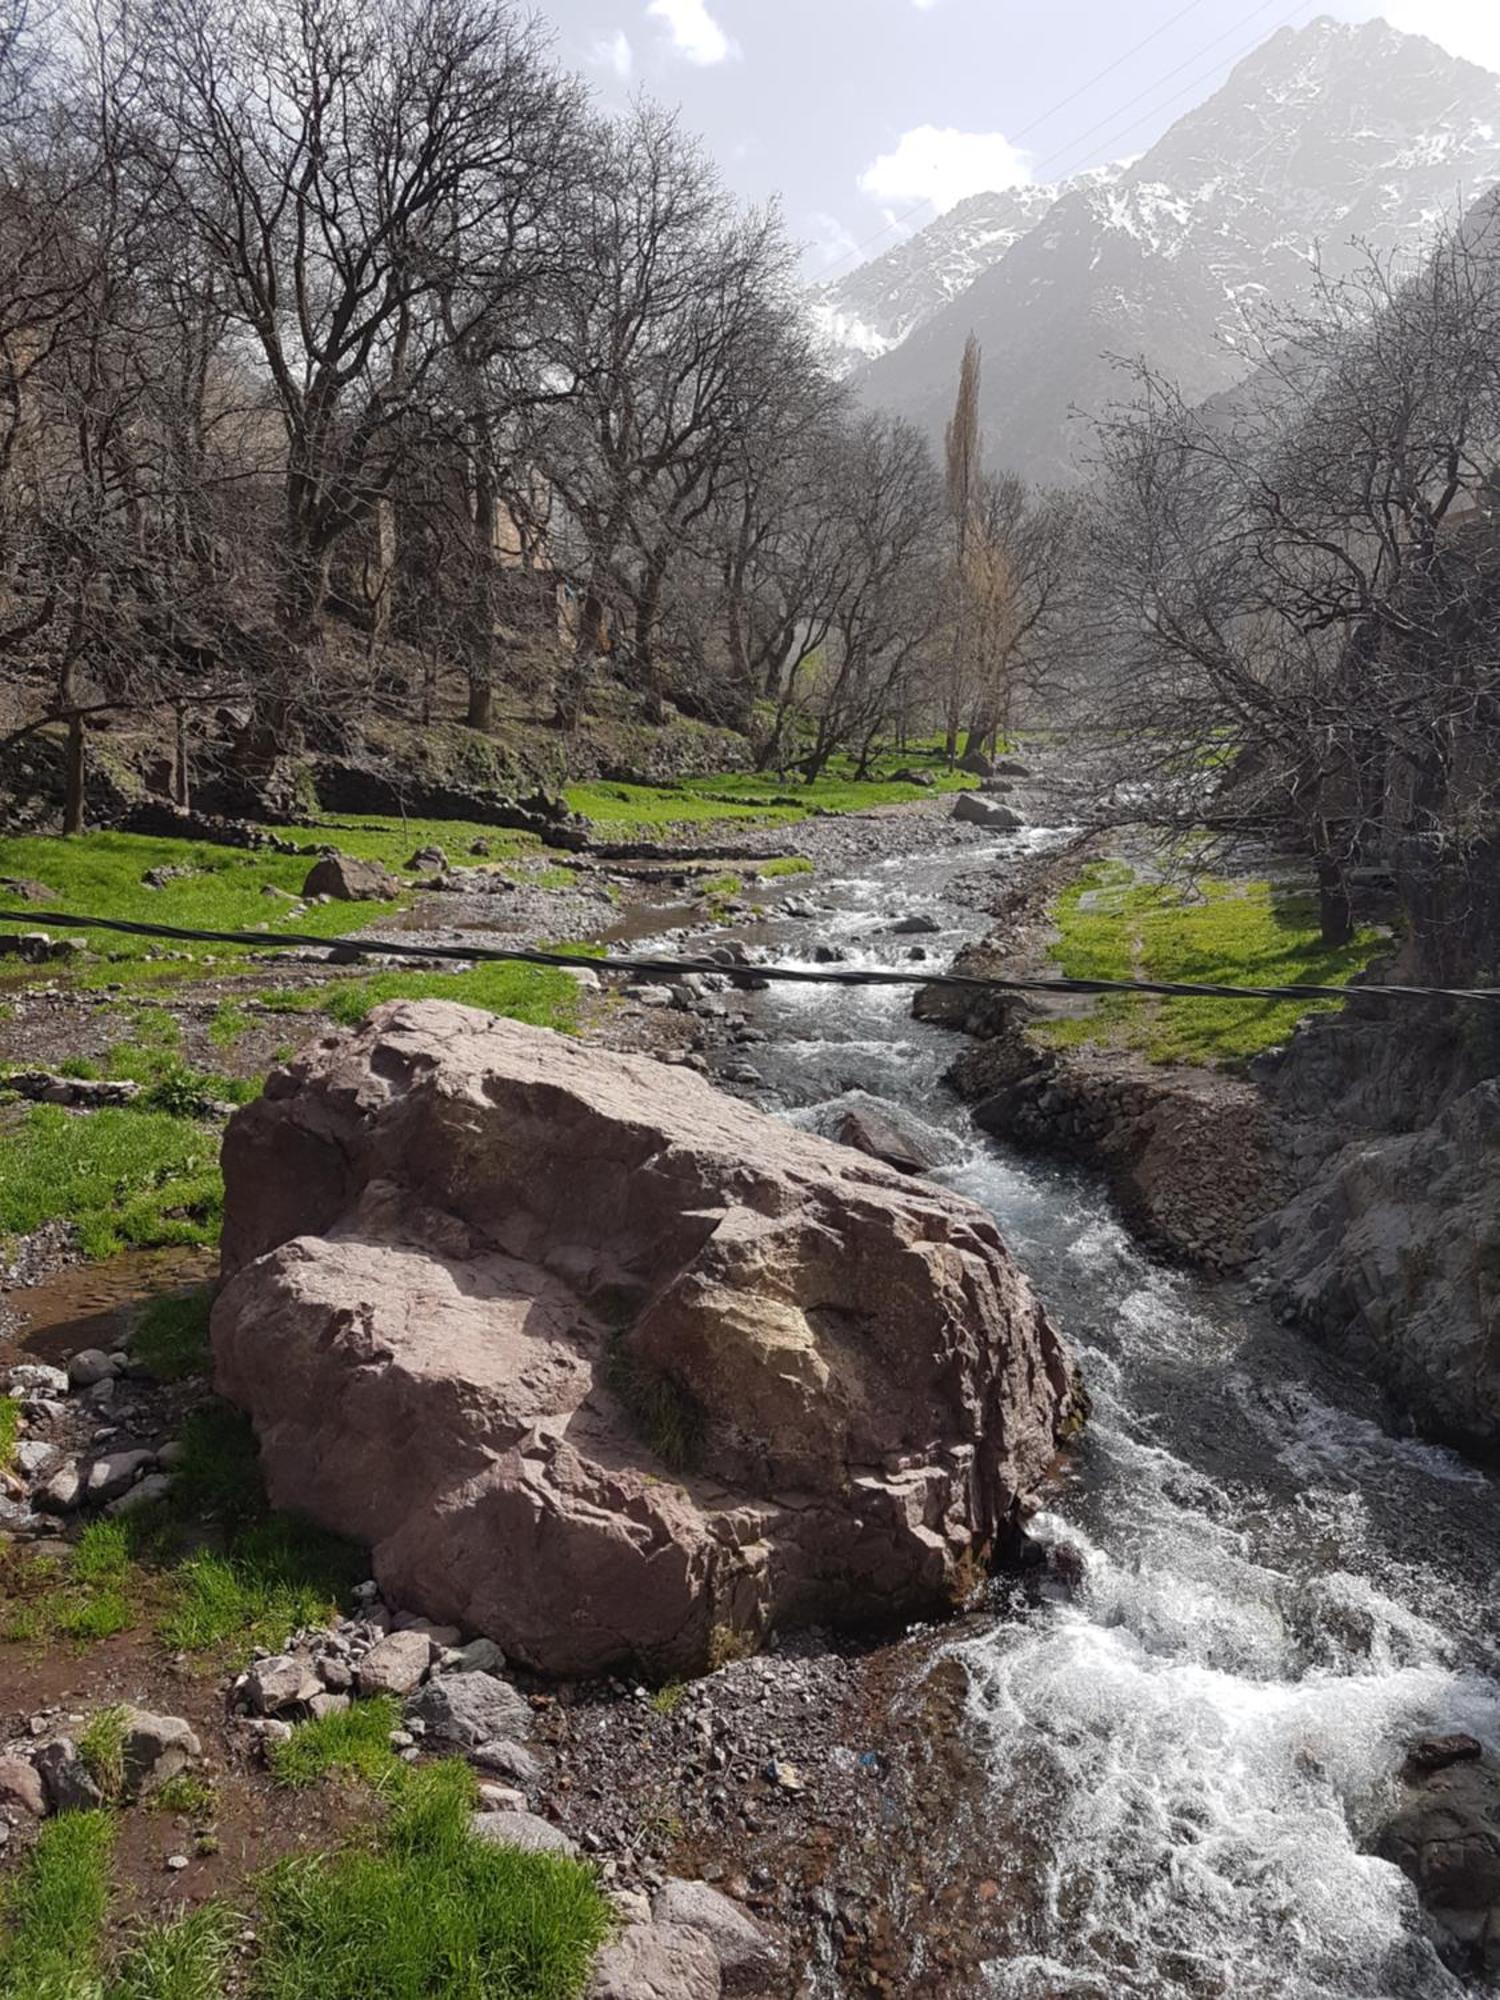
[394, 1665]
[526, 1830]
[608, 1366]
[108, 1477]
[348, 880]
[972, 809]
[1445, 1836]
[657, 1962]
[88, 1366]
[748, 1955]
[62, 1490]
[467, 1709]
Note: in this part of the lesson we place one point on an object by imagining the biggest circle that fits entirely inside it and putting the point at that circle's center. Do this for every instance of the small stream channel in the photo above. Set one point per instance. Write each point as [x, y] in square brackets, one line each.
[1187, 1750]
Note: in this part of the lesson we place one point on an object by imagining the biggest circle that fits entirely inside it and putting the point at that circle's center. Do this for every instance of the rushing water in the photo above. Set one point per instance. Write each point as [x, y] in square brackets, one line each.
[1189, 1747]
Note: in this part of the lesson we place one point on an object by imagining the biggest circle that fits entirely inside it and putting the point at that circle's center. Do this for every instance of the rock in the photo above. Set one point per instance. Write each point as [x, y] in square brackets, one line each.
[65, 1777]
[828, 954]
[320, 1705]
[916, 926]
[336, 1675]
[21, 1787]
[155, 1748]
[145, 1493]
[657, 1962]
[426, 860]
[107, 1478]
[36, 1378]
[440, 1638]
[479, 847]
[347, 880]
[89, 1367]
[524, 1830]
[34, 1458]
[600, 1362]
[651, 996]
[394, 1665]
[24, 889]
[507, 1760]
[1010, 767]
[975, 810]
[481, 1656]
[63, 1491]
[996, 787]
[869, 1131]
[175, 1863]
[502, 1798]
[747, 1955]
[1434, 1753]
[909, 775]
[282, 1682]
[467, 1709]
[1445, 1836]
[976, 764]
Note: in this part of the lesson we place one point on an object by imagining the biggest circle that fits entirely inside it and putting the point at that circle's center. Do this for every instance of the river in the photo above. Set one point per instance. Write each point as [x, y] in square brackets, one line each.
[1187, 1749]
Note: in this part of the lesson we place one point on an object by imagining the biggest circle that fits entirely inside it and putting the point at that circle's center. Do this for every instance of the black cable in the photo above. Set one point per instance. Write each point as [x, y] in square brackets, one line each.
[674, 968]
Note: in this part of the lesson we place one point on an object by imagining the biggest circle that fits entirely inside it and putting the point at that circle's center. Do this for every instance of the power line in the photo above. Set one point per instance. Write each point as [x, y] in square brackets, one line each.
[676, 968]
[898, 221]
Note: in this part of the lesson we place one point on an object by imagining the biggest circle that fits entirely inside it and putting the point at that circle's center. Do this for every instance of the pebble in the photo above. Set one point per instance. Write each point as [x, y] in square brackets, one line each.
[177, 1862]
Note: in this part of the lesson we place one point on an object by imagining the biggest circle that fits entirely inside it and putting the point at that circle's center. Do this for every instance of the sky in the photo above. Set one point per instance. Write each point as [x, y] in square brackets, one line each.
[868, 117]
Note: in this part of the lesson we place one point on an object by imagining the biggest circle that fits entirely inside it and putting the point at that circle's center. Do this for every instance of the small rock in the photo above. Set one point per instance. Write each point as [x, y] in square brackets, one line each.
[394, 1665]
[428, 859]
[282, 1682]
[916, 926]
[480, 1656]
[155, 1748]
[467, 1709]
[88, 1367]
[662, 1961]
[507, 1760]
[21, 1786]
[320, 1705]
[336, 1675]
[177, 1862]
[747, 1955]
[170, 1455]
[155, 1486]
[525, 1830]
[1435, 1753]
[107, 1478]
[65, 1777]
[63, 1491]
[35, 1458]
[502, 1798]
[37, 1378]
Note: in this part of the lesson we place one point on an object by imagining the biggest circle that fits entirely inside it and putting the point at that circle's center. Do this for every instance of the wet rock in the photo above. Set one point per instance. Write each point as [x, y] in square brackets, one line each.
[107, 1478]
[657, 1962]
[971, 809]
[467, 1709]
[284, 1681]
[65, 1777]
[868, 1131]
[828, 954]
[1445, 1836]
[441, 1232]
[747, 1954]
[21, 1787]
[525, 1830]
[395, 1665]
[916, 926]
[1434, 1753]
[348, 880]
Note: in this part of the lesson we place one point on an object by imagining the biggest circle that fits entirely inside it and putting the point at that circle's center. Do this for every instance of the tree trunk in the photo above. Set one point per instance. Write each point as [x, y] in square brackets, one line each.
[480, 713]
[76, 776]
[181, 783]
[1335, 913]
[647, 615]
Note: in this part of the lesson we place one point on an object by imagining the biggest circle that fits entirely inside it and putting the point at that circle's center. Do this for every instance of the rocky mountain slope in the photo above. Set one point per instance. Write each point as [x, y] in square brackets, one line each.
[1324, 139]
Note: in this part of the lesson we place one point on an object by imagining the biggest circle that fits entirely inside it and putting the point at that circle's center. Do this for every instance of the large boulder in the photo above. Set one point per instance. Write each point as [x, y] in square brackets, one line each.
[607, 1365]
[1445, 1835]
[349, 880]
[976, 810]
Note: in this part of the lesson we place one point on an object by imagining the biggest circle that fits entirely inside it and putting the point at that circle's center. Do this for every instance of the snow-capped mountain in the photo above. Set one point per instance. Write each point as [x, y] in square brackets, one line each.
[1324, 139]
[877, 305]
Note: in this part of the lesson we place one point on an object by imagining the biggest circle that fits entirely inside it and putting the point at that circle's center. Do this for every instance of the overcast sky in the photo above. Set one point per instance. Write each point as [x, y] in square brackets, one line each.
[867, 116]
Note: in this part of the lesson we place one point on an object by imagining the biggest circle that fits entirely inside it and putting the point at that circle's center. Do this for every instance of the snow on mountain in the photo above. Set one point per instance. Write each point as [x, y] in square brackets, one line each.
[1326, 138]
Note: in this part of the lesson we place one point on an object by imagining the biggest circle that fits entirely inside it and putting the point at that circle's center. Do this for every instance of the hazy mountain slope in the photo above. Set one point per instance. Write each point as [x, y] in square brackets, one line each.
[1323, 136]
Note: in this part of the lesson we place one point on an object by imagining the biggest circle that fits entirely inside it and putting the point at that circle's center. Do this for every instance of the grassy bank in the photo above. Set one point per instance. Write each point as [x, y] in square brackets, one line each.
[1114, 924]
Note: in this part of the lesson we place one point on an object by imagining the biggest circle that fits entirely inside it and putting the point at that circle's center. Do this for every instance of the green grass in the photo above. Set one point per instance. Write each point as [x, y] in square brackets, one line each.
[185, 1792]
[534, 993]
[790, 864]
[1112, 925]
[355, 1743]
[185, 1958]
[127, 1178]
[88, 1598]
[428, 1912]
[229, 1022]
[720, 885]
[10, 1430]
[54, 1912]
[101, 1745]
[171, 1335]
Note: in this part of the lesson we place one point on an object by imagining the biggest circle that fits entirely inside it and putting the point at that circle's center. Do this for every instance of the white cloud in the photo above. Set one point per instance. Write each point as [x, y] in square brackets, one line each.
[614, 52]
[694, 31]
[1469, 28]
[938, 164]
